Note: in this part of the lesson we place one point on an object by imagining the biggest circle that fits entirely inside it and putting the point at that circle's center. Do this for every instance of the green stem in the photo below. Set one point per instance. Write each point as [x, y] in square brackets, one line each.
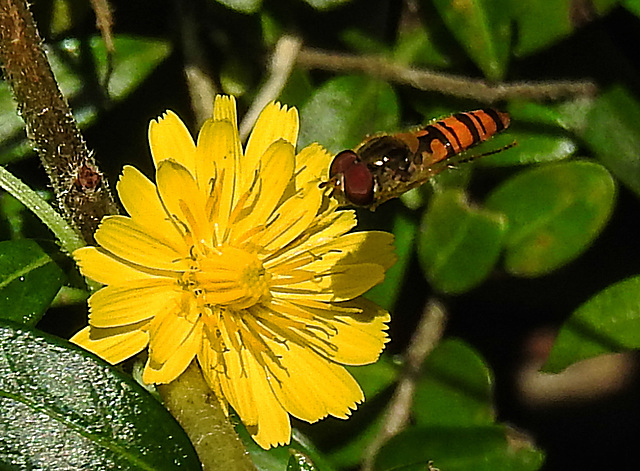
[69, 239]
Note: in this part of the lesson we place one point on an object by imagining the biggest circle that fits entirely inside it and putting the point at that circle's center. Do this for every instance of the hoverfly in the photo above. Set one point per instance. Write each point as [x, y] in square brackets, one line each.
[387, 165]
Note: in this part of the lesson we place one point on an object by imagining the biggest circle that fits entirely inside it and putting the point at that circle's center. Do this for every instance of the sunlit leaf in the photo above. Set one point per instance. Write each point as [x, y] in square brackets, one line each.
[608, 322]
[345, 110]
[554, 212]
[29, 280]
[458, 245]
[61, 408]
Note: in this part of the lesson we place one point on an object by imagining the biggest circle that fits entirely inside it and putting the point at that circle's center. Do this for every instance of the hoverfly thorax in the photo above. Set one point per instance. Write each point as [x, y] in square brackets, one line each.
[386, 166]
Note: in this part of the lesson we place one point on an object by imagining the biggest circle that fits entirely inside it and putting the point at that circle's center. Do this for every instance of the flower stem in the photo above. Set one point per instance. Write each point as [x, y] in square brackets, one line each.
[81, 192]
[194, 406]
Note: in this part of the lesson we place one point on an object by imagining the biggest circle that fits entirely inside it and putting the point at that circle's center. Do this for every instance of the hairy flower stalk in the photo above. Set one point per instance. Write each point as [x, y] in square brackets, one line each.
[239, 259]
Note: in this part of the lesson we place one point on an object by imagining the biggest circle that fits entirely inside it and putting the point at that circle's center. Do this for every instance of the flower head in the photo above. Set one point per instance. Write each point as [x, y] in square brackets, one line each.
[238, 259]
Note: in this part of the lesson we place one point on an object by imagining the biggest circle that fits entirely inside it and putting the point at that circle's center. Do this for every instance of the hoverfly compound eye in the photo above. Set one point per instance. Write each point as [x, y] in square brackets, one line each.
[358, 184]
[341, 162]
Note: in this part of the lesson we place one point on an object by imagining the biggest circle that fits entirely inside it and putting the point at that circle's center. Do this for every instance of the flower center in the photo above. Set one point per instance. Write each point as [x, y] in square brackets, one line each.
[229, 277]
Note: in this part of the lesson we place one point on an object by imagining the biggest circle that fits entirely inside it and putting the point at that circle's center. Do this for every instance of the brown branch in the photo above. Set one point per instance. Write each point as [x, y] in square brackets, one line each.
[81, 192]
[424, 340]
[455, 85]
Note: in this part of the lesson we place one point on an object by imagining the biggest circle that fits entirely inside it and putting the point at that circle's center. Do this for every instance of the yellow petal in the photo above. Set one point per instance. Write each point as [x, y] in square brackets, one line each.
[114, 306]
[112, 345]
[98, 265]
[140, 198]
[218, 154]
[356, 339]
[276, 172]
[355, 248]
[177, 363]
[128, 240]
[171, 330]
[182, 199]
[312, 164]
[252, 397]
[274, 123]
[311, 387]
[170, 139]
[224, 109]
[341, 285]
[290, 220]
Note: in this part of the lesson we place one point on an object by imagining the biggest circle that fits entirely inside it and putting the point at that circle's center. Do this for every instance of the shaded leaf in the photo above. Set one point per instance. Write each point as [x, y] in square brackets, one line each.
[345, 110]
[325, 4]
[554, 212]
[29, 280]
[481, 448]
[298, 461]
[458, 246]
[608, 322]
[613, 135]
[61, 408]
[482, 27]
[455, 388]
[134, 60]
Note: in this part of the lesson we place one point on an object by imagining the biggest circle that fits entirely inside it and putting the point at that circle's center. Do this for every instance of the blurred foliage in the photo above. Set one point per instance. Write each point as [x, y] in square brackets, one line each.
[524, 232]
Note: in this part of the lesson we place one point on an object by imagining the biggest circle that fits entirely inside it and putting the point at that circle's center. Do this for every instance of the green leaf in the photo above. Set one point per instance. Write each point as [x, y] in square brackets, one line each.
[482, 27]
[608, 322]
[458, 246]
[455, 388]
[278, 458]
[386, 294]
[62, 408]
[345, 110]
[243, 6]
[29, 280]
[325, 4]
[134, 60]
[541, 23]
[613, 134]
[554, 212]
[481, 448]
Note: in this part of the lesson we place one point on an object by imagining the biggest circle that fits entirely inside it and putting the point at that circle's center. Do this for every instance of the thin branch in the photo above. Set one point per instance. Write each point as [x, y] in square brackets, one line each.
[104, 22]
[455, 85]
[282, 62]
[202, 88]
[425, 339]
[81, 192]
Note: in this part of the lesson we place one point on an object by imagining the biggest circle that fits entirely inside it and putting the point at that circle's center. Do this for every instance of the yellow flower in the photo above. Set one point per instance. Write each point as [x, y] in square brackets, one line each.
[238, 259]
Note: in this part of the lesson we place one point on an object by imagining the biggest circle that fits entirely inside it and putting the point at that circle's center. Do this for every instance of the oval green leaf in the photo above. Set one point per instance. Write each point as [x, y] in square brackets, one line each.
[554, 212]
[613, 135]
[458, 245]
[62, 408]
[29, 280]
[608, 322]
[482, 448]
[243, 6]
[455, 389]
[482, 27]
[345, 110]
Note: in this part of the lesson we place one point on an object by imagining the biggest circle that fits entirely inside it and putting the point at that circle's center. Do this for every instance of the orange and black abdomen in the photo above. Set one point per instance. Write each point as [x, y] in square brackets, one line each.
[459, 132]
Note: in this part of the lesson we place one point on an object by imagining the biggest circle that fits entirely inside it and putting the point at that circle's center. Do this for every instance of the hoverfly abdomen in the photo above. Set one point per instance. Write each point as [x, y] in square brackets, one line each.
[385, 166]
